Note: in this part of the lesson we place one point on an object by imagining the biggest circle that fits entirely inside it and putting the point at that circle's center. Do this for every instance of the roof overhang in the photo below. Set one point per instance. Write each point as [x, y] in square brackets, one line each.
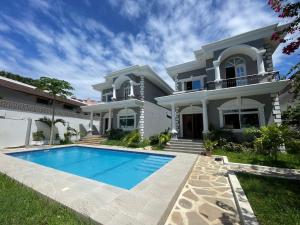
[144, 70]
[233, 92]
[173, 71]
[105, 106]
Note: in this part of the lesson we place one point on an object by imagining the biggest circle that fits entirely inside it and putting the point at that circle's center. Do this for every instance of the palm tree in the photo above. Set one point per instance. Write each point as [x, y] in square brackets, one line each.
[57, 89]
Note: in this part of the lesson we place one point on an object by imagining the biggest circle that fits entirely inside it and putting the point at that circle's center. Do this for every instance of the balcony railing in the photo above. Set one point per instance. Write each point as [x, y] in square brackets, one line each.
[243, 80]
[138, 97]
[18, 106]
[237, 81]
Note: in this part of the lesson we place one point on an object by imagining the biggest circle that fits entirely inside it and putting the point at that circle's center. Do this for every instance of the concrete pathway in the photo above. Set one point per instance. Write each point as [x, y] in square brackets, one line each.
[206, 199]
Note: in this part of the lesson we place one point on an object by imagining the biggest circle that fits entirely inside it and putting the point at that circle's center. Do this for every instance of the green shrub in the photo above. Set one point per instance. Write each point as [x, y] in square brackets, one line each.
[234, 147]
[268, 139]
[160, 139]
[293, 146]
[221, 134]
[154, 140]
[116, 134]
[164, 138]
[38, 136]
[132, 139]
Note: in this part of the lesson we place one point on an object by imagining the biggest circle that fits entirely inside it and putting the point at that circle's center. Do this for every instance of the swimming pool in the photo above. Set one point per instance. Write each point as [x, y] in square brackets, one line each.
[124, 169]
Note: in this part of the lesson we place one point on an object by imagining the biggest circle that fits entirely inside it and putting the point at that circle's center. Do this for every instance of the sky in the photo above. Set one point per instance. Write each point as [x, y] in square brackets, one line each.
[82, 40]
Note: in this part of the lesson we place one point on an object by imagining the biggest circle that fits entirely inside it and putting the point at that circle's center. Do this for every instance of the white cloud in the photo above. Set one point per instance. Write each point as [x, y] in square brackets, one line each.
[84, 49]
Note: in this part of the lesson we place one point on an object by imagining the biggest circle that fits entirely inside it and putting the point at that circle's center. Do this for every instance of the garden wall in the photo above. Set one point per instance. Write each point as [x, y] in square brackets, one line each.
[15, 129]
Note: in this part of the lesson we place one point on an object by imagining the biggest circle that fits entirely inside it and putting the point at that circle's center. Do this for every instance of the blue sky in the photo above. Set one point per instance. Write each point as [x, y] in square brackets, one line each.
[82, 40]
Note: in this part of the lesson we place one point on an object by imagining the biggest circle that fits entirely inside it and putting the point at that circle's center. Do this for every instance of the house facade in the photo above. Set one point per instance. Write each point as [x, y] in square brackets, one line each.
[231, 84]
[128, 102]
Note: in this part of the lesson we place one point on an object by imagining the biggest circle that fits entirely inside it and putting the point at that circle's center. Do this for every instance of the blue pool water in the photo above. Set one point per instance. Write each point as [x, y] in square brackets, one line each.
[123, 169]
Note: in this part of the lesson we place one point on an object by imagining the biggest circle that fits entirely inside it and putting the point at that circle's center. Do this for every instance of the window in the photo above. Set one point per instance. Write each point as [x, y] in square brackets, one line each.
[126, 119]
[126, 92]
[193, 85]
[236, 68]
[126, 122]
[241, 118]
[109, 98]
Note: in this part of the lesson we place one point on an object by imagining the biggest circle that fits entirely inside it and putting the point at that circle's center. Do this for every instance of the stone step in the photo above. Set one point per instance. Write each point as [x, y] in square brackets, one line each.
[183, 151]
[184, 148]
[187, 144]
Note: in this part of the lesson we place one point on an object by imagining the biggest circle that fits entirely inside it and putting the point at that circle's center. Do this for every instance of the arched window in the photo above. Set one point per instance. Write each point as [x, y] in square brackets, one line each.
[235, 72]
[127, 119]
[241, 113]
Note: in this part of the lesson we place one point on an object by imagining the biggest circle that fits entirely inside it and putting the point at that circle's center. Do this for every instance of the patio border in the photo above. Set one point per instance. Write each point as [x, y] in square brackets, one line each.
[148, 203]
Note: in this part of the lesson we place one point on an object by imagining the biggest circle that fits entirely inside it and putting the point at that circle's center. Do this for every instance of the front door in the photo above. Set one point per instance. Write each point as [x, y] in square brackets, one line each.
[105, 124]
[192, 125]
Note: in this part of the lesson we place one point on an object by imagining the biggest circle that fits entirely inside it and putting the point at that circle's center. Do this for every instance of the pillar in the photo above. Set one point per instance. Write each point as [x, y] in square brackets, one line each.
[131, 89]
[205, 117]
[260, 62]
[114, 92]
[109, 119]
[218, 81]
[173, 131]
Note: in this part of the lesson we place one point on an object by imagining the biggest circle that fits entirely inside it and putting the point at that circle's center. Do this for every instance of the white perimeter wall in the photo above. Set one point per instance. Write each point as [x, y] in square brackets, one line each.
[155, 120]
[13, 126]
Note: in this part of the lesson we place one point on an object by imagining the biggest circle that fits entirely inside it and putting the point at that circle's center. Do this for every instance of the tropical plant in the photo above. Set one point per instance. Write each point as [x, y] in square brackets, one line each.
[115, 134]
[154, 140]
[57, 89]
[269, 139]
[71, 132]
[209, 145]
[38, 136]
[164, 138]
[48, 121]
[132, 139]
[291, 117]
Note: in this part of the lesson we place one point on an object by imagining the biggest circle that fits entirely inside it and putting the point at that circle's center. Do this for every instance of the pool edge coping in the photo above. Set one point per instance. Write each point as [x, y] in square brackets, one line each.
[168, 203]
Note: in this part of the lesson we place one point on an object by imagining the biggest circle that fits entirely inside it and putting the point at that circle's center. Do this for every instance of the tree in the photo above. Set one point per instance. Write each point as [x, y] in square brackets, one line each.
[288, 10]
[57, 89]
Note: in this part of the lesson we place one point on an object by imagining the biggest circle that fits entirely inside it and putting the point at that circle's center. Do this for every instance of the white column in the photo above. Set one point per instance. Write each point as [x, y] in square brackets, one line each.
[91, 122]
[173, 131]
[131, 89]
[114, 92]
[217, 71]
[260, 62]
[109, 119]
[205, 117]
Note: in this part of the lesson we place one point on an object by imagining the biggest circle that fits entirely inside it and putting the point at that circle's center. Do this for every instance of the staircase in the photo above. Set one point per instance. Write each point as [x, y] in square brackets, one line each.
[185, 146]
[91, 140]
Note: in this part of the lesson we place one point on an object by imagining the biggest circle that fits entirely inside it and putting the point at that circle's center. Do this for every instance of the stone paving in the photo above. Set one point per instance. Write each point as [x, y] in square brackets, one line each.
[206, 199]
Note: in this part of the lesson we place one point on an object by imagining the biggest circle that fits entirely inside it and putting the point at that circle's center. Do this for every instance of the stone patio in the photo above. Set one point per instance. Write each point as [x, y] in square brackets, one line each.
[207, 198]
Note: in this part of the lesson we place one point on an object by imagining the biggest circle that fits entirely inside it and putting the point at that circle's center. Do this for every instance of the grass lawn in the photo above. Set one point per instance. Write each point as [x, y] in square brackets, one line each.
[21, 205]
[284, 160]
[274, 201]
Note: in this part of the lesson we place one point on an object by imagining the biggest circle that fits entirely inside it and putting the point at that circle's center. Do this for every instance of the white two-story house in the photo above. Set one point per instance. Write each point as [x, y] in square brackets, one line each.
[128, 102]
[231, 84]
